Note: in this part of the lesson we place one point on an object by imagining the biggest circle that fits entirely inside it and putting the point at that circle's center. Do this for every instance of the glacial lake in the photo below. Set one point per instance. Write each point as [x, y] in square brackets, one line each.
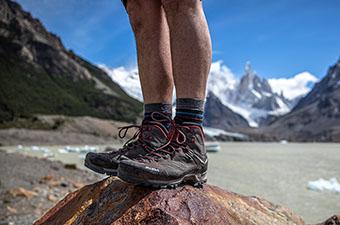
[277, 172]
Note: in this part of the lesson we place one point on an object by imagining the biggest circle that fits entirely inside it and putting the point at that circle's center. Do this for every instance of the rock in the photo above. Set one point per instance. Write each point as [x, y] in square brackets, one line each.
[52, 198]
[12, 210]
[70, 166]
[334, 220]
[50, 181]
[78, 184]
[22, 192]
[111, 201]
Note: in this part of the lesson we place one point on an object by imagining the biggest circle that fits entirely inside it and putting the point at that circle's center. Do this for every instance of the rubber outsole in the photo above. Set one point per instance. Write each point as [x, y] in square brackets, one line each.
[196, 180]
[101, 170]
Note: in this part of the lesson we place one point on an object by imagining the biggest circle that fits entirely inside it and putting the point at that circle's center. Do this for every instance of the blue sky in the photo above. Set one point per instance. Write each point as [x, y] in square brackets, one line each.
[280, 37]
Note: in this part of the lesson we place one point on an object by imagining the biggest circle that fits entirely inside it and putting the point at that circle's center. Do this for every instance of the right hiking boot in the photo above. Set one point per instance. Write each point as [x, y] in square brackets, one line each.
[149, 136]
[182, 160]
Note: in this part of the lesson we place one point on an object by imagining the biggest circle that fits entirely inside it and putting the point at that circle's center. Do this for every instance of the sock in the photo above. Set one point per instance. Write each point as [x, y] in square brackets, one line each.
[189, 111]
[163, 108]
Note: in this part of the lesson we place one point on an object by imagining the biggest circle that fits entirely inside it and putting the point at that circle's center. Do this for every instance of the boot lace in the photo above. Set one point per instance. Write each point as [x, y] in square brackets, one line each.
[173, 145]
[137, 138]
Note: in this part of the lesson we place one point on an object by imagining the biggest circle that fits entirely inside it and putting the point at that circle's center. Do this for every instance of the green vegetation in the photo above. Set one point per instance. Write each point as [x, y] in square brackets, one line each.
[26, 90]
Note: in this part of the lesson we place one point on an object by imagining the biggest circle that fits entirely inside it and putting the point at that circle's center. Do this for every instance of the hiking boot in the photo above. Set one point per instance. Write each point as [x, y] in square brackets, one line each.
[182, 160]
[149, 136]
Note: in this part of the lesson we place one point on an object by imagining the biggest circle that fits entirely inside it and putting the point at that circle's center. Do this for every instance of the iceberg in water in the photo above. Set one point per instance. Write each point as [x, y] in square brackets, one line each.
[324, 185]
[74, 149]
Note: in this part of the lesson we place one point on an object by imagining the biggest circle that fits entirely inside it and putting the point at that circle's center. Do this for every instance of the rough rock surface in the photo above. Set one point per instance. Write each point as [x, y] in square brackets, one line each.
[112, 201]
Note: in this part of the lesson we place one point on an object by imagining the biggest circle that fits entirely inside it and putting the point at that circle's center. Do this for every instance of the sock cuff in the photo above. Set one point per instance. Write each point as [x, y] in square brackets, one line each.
[190, 104]
[158, 107]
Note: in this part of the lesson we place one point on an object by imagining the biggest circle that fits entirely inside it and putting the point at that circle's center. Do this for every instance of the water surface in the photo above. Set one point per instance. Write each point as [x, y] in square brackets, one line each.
[280, 173]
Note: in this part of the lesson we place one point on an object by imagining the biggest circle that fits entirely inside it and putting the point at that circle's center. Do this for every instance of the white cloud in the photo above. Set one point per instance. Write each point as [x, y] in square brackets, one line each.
[294, 86]
[221, 81]
[127, 78]
[221, 78]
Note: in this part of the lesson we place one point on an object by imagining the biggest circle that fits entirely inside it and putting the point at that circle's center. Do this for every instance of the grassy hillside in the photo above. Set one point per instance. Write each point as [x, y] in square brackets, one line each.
[26, 90]
[39, 76]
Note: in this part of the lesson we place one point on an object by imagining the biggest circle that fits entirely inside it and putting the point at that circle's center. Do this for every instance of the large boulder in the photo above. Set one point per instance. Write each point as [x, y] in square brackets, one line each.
[112, 201]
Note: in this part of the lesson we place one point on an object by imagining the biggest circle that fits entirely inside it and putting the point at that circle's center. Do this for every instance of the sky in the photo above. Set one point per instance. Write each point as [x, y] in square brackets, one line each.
[280, 38]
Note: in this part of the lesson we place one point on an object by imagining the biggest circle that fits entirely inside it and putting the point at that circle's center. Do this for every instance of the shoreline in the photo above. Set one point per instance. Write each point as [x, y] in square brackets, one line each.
[29, 186]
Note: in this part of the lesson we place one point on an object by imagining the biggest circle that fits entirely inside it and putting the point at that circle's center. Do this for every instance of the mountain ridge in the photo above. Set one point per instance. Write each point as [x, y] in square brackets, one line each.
[39, 76]
[252, 97]
[220, 116]
[316, 117]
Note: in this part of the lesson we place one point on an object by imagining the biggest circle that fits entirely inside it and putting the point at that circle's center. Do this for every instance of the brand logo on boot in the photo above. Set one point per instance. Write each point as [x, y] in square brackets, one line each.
[152, 169]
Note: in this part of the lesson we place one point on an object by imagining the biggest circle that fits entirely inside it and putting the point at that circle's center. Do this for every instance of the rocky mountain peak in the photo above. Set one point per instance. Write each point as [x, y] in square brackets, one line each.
[325, 89]
[252, 83]
[249, 72]
[255, 91]
[28, 28]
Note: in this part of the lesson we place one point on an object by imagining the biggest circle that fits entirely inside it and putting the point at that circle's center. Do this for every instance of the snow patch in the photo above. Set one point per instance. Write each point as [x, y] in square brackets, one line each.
[283, 108]
[248, 114]
[258, 95]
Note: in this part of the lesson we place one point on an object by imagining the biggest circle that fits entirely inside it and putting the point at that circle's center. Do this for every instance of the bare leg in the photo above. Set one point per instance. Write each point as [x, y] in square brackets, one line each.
[151, 31]
[190, 46]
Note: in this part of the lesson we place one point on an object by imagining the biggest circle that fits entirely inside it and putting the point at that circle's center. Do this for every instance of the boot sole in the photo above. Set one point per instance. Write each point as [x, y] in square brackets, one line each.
[101, 170]
[196, 180]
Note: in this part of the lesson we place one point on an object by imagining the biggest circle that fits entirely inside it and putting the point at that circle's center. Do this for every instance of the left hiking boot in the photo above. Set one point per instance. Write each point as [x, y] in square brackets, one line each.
[182, 160]
[149, 136]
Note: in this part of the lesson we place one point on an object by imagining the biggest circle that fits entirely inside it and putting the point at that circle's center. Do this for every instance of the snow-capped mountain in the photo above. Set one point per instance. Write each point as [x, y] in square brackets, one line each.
[251, 96]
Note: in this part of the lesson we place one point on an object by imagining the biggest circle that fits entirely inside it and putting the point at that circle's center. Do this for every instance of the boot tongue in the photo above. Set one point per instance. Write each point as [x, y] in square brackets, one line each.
[154, 133]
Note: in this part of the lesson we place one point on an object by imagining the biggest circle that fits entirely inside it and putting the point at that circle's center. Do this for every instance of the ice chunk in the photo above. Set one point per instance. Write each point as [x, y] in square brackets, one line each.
[74, 149]
[324, 185]
[40, 149]
[62, 151]
[35, 148]
[48, 155]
